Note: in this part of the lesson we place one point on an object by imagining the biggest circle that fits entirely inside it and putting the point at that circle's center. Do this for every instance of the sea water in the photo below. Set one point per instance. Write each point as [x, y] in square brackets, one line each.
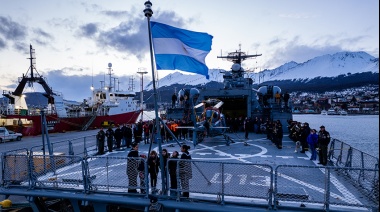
[358, 131]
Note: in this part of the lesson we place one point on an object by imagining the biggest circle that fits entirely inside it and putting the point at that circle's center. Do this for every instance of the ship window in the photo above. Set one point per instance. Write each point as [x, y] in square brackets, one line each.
[124, 95]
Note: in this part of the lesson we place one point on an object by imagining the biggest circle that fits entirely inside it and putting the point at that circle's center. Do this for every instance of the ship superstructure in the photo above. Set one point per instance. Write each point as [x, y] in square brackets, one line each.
[240, 97]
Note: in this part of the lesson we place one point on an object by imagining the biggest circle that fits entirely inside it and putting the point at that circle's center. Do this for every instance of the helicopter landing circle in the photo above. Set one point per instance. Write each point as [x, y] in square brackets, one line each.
[203, 150]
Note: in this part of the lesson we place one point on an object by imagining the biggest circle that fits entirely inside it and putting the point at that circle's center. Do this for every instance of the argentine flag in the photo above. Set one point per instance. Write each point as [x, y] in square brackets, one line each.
[181, 49]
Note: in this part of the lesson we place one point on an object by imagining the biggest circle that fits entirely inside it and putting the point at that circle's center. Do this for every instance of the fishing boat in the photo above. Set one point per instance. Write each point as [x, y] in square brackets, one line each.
[324, 112]
[105, 107]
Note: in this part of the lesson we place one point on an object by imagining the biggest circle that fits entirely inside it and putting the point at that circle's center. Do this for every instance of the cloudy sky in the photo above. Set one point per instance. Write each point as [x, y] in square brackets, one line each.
[75, 40]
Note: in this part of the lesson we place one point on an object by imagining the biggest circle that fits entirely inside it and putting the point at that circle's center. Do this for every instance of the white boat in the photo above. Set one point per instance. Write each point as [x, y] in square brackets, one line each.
[332, 112]
[343, 112]
[324, 112]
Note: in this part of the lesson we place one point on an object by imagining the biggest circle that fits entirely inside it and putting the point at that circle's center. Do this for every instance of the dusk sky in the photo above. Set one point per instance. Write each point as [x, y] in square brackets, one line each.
[75, 40]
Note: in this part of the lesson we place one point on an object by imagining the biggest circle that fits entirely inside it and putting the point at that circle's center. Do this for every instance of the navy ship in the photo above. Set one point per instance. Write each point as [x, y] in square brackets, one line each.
[239, 96]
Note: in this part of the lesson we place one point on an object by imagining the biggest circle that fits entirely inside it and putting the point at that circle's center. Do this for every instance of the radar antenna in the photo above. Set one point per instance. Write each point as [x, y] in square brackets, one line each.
[238, 56]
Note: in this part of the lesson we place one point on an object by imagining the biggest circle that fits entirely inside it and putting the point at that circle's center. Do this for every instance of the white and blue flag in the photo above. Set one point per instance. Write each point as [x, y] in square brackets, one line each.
[181, 49]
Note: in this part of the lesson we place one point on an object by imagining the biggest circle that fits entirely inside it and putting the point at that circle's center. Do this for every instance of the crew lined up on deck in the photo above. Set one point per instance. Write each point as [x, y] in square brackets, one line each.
[301, 133]
[136, 168]
[298, 132]
[136, 162]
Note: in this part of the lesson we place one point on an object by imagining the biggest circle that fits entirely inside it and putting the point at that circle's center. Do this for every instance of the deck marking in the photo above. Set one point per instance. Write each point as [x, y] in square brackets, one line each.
[284, 157]
[305, 158]
[243, 155]
[266, 156]
[230, 156]
[347, 196]
[204, 153]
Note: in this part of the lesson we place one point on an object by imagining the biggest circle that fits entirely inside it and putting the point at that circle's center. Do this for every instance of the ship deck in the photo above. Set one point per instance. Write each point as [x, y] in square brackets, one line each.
[255, 175]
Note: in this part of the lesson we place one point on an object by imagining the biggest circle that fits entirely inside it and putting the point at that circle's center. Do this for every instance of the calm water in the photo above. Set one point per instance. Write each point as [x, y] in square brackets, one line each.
[359, 131]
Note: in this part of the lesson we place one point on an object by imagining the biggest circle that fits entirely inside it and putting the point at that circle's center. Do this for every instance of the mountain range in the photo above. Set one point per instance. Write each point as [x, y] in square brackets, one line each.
[355, 68]
[336, 72]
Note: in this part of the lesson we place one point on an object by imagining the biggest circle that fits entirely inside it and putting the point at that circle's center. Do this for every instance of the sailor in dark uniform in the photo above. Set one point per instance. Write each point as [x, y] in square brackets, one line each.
[100, 137]
[303, 137]
[279, 134]
[185, 170]
[132, 168]
[109, 134]
[323, 143]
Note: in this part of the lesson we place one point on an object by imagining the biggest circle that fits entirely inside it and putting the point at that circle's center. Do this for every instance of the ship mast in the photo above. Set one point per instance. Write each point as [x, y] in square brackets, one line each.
[238, 56]
[32, 59]
[110, 74]
[32, 79]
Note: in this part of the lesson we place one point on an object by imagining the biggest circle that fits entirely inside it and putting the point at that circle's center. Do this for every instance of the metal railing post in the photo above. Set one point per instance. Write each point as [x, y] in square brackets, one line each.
[327, 189]
[71, 149]
[349, 158]
[222, 198]
[270, 196]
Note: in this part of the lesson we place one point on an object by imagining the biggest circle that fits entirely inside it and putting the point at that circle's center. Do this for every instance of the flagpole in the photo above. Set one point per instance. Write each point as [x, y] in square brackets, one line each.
[148, 13]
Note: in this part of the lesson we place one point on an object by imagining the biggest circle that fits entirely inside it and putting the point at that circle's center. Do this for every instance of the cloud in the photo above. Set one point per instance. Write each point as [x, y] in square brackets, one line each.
[40, 32]
[130, 37]
[300, 53]
[88, 30]
[11, 31]
[285, 50]
[2, 44]
[22, 47]
[66, 23]
[116, 14]
[275, 41]
[91, 7]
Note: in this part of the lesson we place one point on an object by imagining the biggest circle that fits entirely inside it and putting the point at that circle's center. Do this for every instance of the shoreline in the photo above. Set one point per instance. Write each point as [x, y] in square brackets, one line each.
[350, 114]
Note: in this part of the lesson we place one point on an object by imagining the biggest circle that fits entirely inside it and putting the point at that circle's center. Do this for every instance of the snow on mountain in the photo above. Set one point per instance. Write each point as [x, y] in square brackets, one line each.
[341, 63]
[187, 79]
[325, 66]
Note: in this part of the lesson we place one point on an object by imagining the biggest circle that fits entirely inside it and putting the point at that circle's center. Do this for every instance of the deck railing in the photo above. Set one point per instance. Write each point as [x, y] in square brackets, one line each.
[222, 183]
